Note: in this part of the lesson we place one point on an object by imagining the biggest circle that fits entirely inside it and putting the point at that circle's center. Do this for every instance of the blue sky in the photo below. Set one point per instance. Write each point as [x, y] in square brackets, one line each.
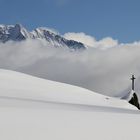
[119, 19]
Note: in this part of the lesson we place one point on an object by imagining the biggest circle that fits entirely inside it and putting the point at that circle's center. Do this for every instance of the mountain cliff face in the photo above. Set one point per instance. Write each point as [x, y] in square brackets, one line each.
[19, 33]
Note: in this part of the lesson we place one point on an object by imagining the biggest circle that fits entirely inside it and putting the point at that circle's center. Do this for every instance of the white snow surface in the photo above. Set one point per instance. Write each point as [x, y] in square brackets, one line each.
[36, 109]
[18, 85]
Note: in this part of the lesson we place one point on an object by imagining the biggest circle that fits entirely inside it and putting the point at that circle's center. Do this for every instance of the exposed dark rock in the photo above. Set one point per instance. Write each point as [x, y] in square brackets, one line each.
[19, 33]
[134, 101]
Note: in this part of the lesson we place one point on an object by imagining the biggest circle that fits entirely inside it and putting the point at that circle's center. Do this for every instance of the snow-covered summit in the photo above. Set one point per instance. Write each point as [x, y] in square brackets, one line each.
[19, 33]
[15, 33]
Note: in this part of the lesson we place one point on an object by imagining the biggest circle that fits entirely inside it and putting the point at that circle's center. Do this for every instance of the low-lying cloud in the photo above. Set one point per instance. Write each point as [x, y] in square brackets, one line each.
[81, 37]
[105, 71]
[90, 41]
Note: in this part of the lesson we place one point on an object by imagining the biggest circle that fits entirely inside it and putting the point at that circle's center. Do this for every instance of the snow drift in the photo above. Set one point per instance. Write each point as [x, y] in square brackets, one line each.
[32, 108]
[21, 86]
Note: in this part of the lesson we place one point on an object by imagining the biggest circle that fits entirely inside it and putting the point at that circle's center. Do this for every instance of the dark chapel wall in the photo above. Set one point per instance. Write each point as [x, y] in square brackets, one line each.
[134, 101]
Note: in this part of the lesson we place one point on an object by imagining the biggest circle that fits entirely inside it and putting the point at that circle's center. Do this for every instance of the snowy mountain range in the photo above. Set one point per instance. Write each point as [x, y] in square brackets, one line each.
[19, 33]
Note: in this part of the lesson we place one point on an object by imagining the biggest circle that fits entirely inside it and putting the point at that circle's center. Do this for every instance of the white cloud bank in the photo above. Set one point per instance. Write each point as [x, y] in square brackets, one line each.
[105, 71]
[90, 41]
[81, 37]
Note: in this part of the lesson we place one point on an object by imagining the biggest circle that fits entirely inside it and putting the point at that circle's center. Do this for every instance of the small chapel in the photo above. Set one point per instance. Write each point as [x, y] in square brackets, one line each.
[134, 98]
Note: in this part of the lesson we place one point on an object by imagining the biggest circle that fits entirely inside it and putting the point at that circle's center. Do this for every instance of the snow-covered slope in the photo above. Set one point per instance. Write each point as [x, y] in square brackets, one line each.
[19, 33]
[36, 109]
[22, 86]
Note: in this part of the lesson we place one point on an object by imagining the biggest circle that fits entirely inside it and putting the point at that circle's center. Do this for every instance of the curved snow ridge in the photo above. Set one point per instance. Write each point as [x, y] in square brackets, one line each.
[19, 85]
